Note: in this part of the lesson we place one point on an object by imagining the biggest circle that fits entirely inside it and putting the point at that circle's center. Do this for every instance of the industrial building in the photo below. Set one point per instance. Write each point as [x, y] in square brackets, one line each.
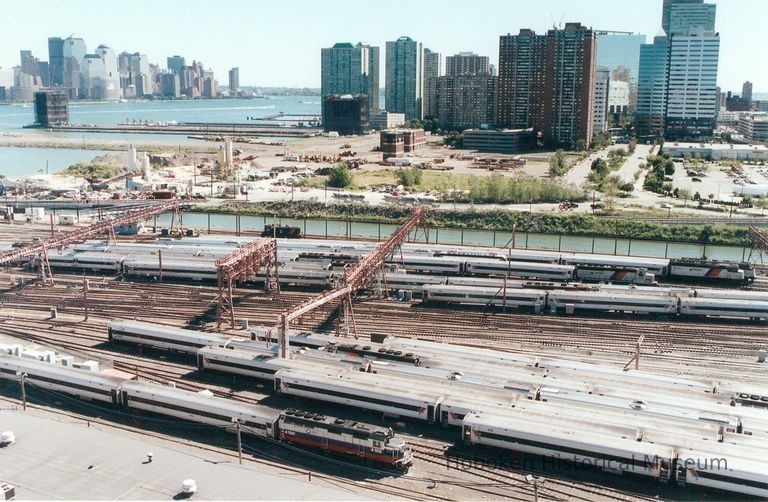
[346, 114]
[397, 143]
[51, 107]
[499, 141]
[717, 151]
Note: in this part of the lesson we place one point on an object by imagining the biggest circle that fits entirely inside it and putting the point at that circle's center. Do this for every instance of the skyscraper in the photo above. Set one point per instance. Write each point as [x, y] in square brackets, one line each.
[619, 52]
[405, 77]
[569, 86]
[652, 87]
[28, 63]
[680, 15]
[520, 88]
[175, 64]
[464, 101]
[350, 69]
[56, 60]
[692, 84]
[234, 79]
[467, 63]
[746, 91]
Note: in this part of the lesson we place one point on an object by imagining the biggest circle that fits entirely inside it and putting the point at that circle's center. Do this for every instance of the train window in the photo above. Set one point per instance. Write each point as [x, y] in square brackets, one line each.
[377, 444]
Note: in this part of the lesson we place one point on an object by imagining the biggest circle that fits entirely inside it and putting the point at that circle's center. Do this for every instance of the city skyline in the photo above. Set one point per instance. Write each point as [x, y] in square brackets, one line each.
[262, 50]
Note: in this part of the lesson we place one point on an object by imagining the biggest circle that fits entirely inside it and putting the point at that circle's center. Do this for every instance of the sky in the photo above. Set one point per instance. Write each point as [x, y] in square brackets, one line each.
[277, 43]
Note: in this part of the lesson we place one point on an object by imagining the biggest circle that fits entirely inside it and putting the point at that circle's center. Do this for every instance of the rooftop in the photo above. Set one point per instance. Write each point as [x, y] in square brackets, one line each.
[716, 146]
[70, 459]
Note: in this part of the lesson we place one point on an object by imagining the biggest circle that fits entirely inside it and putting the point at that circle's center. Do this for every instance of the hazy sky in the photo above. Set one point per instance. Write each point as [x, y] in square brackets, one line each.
[277, 43]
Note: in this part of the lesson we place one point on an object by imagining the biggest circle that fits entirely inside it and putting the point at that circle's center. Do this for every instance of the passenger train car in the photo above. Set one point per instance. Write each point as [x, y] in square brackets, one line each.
[350, 439]
[163, 337]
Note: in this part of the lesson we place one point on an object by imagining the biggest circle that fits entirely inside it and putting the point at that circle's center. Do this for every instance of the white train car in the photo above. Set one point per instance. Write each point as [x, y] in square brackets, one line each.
[574, 301]
[713, 471]
[615, 274]
[530, 298]
[428, 264]
[730, 294]
[199, 407]
[724, 307]
[82, 384]
[305, 277]
[173, 268]
[656, 266]
[635, 289]
[601, 450]
[63, 260]
[405, 281]
[526, 270]
[362, 391]
[163, 337]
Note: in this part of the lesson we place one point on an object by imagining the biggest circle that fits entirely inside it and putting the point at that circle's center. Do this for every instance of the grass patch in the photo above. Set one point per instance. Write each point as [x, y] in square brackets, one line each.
[91, 170]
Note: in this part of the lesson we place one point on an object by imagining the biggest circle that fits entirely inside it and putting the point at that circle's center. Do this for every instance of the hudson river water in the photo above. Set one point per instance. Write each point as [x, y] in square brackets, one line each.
[28, 161]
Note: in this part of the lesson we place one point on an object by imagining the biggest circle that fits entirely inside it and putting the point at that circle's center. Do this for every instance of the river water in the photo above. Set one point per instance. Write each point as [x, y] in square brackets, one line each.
[337, 229]
[28, 161]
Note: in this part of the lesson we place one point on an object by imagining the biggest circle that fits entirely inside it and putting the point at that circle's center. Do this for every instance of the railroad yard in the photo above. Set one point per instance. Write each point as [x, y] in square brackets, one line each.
[486, 364]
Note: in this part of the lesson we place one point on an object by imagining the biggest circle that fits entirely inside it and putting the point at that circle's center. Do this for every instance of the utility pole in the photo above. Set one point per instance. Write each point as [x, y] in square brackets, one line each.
[236, 421]
[22, 380]
[85, 297]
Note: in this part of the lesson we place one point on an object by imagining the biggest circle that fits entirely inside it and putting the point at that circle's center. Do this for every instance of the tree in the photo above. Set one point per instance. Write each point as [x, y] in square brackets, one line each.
[557, 164]
[669, 167]
[684, 194]
[600, 167]
[409, 176]
[761, 202]
[632, 145]
[340, 176]
[610, 192]
[581, 145]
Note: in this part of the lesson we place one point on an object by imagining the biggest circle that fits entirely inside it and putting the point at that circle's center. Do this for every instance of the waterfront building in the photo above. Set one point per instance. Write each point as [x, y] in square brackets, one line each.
[346, 114]
[234, 80]
[56, 60]
[692, 84]
[404, 78]
[467, 63]
[74, 59]
[350, 69]
[175, 64]
[43, 70]
[170, 85]
[51, 107]
[600, 115]
[381, 120]
[28, 63]
[210, 86]
[521, 78]
[754, 127]
[652, 87]
[499, 141]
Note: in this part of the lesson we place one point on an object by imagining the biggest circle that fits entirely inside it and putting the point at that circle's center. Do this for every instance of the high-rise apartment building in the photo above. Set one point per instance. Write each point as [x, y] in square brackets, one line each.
[405, 78]
[520, 87]
[652, 87]
[692, 84]
[56, 60]
[350, 69]
[464, 101]
[569, 86]
[175, 64]
[467, 63]
[170, 85]
[433, 69]
[746, 91]
[234, 79]
[600, 111]
[433, 64]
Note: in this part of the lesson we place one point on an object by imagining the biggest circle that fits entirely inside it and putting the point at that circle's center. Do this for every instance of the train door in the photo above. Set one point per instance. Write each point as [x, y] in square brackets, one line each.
[278, 385]
[431, 413]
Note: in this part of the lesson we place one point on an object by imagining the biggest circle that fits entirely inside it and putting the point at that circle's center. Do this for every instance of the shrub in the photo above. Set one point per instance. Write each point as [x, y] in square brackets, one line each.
[409, 177]
[340, 176]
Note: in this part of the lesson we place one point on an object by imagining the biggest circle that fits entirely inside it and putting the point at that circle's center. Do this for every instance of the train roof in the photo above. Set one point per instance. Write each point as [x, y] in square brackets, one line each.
[522, 265]
[158, 329]
[35, 367]
[202, 401]
[725, 302]
[568, 434]
[609, 295]
[481, 290]
[599, 259]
